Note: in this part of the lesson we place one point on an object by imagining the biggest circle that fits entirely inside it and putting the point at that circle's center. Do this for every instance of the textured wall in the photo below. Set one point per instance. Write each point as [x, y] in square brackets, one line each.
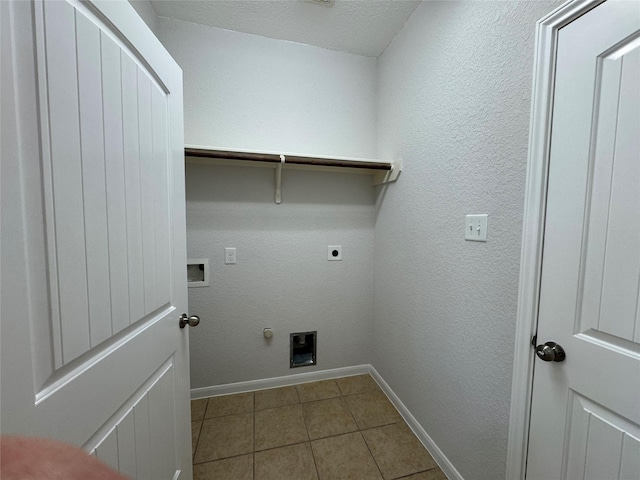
[454, 100]
[251, 92]
[282, 279]
[453, 97]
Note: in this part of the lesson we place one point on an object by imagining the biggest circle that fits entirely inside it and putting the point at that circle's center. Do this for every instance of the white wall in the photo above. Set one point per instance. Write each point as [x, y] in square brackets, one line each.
[282, 279]
[251, 92]
[146, 11]
[454, 100]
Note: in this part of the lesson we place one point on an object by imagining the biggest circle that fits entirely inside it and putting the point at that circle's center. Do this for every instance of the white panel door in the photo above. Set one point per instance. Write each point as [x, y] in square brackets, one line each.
[93, 236]
[585, 419]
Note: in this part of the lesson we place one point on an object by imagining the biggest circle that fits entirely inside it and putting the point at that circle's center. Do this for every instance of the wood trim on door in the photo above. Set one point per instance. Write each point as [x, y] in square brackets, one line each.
[533, 227]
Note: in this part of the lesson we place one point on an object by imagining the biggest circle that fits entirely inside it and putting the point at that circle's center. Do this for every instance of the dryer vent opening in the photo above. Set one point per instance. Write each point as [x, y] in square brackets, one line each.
[302, 349]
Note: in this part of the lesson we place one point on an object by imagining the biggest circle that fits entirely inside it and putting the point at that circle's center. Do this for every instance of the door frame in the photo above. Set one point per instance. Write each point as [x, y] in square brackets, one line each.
[533, 226]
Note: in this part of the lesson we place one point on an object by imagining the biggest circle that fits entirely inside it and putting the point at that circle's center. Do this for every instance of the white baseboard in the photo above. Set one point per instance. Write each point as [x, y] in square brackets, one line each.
[437, 454]
[262, 384]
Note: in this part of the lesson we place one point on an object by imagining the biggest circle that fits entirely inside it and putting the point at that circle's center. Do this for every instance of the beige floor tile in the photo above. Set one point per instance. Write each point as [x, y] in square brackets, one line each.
[397, 451]
[195, 433]
[235, 468]
[357, 384]
[281, 426]
[197, 408]
[225, 437]
[344, 457]
[435, 474]
[276, 397]
[326, 418]
[309, 392]
[372, 409]
[294, 462]
[225, 441]
[229, 405]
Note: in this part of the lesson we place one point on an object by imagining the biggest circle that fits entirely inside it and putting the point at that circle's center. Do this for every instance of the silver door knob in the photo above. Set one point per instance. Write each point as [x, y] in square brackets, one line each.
[192, 321]
[551, 352]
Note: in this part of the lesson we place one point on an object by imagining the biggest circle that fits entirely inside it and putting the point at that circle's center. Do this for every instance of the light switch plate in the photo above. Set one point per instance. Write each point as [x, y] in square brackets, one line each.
[475, 227]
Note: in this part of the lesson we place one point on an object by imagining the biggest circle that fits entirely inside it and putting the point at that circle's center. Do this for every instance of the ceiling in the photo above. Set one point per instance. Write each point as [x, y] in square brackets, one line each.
[363, 27]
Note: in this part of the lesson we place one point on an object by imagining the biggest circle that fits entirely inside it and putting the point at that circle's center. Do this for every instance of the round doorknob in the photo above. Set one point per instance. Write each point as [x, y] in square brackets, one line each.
[550, 352]
[192, 321]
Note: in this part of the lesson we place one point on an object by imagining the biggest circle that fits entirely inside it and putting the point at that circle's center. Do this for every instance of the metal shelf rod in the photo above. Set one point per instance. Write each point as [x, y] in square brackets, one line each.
[289, 159]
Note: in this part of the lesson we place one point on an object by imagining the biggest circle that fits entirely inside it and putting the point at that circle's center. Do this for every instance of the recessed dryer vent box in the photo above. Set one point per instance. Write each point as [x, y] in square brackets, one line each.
[303, 349]
[198, 272]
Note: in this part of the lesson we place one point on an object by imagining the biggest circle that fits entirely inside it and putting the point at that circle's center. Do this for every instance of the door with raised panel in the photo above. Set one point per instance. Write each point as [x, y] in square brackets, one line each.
[585, 418]
[93, 236]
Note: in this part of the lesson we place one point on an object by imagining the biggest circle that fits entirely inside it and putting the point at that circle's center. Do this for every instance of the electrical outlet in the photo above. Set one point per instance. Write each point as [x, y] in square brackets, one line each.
[475, 227]
[334, 252]
[230, 256]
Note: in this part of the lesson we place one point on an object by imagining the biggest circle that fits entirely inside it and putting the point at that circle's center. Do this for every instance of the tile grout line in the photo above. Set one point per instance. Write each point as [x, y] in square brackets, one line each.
[304, 420]
[363, 438]
[371, 453]
[344, 402]
[253, 449]
[195, 449]
[382, 425]
[415, 473]
[275, 448]
[241, 413]
[223, 458]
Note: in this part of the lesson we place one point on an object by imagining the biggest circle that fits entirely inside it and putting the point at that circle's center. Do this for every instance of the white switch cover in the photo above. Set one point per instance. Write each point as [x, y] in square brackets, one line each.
[230, 256]
[475, 228]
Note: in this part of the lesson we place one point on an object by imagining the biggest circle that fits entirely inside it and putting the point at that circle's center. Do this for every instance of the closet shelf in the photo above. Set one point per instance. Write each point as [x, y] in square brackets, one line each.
[382, 171]
[289, 159]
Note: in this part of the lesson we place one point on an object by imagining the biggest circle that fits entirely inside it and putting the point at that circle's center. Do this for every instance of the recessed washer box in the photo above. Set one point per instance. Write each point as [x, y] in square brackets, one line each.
[198, 272]
[302, 349]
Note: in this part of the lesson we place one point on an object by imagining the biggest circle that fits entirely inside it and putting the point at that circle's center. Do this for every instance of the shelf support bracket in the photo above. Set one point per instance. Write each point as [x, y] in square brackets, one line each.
[279, 180]
[392, 175]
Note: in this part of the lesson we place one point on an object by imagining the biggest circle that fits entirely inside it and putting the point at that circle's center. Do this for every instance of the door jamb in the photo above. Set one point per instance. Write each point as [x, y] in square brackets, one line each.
[533, 227]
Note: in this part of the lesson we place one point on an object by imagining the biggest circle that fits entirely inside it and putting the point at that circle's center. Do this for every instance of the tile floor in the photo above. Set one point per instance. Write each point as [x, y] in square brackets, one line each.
[329, 430]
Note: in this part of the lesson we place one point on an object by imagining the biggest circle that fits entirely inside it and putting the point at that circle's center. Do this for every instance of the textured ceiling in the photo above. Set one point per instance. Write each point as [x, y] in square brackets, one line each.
[364, 27]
